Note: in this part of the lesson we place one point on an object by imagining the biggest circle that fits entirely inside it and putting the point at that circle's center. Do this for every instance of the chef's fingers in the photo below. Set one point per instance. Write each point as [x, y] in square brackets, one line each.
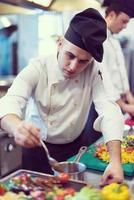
[25, 143]
[31, 137]
[26, 138]
[32, 129]
[103, 181]
[108, 179]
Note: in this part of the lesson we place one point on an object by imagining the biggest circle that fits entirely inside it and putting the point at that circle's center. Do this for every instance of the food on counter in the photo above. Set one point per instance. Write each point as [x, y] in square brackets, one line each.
[129, 140]
[60, 193]
[113, 191]
[87, 193]
[64, 177]
[116, 191]
[127, 150]
[3, 189]
[27, 187]
[26, 183]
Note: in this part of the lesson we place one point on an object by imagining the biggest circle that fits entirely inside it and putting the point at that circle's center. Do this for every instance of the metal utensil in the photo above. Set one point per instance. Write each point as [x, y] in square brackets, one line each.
[82, 150]
[53, 162]
[75, 169]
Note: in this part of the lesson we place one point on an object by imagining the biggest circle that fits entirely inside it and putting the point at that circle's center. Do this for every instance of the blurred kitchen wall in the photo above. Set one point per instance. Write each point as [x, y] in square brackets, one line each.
[27, 39]
[8, 45]
[18, 42]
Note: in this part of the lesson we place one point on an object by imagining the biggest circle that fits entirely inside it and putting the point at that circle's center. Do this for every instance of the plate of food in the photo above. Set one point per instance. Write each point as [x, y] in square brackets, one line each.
[29, 185]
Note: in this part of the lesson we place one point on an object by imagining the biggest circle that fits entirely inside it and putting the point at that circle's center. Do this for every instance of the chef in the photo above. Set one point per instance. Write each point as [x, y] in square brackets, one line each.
[63, 86]
[118, 14]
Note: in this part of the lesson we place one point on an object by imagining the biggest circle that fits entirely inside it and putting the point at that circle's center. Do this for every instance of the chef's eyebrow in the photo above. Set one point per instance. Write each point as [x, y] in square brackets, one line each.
[71, 55]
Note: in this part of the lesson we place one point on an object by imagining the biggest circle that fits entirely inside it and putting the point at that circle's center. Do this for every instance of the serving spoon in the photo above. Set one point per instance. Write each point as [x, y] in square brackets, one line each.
[52, 161]
[57, 165]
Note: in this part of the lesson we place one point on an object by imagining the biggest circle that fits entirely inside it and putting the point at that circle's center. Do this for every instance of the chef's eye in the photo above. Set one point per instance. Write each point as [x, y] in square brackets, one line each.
[82, 61]
[70, 55]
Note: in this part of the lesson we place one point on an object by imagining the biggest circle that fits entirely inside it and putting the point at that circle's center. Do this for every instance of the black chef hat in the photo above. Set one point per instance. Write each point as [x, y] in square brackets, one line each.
[126, 6]
[107, 2]
[87, 30]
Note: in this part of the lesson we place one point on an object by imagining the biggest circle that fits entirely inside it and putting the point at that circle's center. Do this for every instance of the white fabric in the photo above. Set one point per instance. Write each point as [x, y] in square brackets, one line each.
[63, 104]
[114, 65]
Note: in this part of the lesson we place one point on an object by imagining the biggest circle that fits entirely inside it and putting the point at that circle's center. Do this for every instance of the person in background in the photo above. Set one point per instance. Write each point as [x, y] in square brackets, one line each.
[118, 14]
[63, 87]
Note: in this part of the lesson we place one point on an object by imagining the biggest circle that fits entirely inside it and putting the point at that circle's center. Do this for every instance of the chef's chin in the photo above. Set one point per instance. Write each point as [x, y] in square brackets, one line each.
[69, 76]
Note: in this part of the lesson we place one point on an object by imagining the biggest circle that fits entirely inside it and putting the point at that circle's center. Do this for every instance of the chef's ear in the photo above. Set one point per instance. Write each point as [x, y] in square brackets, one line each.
[112, 15]
[60, 41]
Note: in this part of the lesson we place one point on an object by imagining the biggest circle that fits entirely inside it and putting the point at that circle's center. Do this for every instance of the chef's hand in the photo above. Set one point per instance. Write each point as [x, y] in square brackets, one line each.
[129, 97]
[113, 173]
[129, 108]
[27, 134]
[126, 107]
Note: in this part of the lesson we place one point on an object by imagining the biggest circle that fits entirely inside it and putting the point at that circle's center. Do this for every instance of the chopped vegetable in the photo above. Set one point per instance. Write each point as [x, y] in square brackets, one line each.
[127, 150]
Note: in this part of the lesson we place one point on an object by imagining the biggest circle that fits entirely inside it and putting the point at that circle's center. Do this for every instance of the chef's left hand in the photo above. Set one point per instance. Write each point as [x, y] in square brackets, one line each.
[113, 173]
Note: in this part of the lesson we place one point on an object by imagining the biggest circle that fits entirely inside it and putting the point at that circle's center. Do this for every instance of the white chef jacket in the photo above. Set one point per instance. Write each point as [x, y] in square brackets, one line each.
[114, 64]
[63, 104]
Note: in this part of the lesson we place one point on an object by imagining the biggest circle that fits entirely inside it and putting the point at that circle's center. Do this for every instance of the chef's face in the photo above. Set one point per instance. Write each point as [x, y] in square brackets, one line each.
[117, 22]
[72, 60]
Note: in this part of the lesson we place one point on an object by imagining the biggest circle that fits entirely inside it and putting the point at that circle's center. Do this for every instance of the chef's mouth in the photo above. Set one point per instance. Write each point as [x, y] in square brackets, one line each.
[69, 75]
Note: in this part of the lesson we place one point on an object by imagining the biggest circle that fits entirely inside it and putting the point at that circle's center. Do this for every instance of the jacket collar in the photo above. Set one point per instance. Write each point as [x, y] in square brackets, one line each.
[54, 72]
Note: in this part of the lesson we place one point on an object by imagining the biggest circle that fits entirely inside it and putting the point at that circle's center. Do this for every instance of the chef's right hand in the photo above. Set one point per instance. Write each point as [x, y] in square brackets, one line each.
[129, 108]
[27, 134]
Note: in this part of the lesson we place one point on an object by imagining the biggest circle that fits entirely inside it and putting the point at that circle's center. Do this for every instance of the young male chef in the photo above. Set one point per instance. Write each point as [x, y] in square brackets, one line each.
[63, 87]
[118, 14]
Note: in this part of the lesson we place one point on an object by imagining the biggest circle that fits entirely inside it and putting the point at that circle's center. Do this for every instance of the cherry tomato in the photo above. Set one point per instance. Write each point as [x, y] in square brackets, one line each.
[25, 178]
[64, 177]
[2, 189]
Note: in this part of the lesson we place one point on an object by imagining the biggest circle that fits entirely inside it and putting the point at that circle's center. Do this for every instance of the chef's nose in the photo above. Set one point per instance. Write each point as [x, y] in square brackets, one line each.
[73, 65]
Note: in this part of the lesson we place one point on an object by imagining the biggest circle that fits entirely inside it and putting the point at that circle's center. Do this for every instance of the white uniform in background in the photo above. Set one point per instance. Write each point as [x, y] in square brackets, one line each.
[63, 104]
[114, 64]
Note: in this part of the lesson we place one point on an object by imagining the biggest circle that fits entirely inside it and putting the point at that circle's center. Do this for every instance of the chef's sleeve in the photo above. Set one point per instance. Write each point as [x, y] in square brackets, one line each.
[110, 119]
[15, 100]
